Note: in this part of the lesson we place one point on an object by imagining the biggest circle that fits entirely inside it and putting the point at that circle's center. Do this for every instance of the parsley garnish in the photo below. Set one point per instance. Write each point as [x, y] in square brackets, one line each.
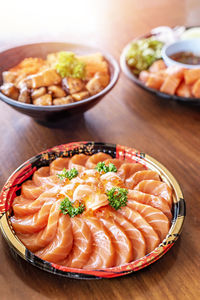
[68, 174]
[117, 197]
[67, 208]
[102, 167]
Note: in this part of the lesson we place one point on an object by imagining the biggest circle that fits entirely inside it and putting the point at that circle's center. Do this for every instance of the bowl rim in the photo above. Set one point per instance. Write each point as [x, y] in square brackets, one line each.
[110, 59]
[24, 172]
[167, 59]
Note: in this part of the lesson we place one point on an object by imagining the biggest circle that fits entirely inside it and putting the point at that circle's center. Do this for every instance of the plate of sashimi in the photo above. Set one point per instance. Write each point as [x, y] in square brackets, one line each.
[90, 210]
[144, 61]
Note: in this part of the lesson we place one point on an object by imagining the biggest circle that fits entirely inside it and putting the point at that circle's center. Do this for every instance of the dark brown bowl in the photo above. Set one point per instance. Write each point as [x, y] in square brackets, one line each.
[13, 56]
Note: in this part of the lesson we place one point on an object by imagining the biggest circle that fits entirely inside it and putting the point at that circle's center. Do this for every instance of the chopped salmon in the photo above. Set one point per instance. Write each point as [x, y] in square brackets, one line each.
[157, 66]
[144, 76]
[196, 89]
[170, 85]
[191, 75]
[155, 81]
[184, 90]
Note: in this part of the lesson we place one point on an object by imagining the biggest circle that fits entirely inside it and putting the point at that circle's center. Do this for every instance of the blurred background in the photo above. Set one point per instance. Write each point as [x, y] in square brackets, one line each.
[88, 20]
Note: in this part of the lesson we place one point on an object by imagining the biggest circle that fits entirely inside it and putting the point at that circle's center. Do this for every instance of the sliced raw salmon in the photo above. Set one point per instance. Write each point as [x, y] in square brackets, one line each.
[133, 180]
[103, 251]
[95, 158]
[121, 242]
[35, 222]
[58, 165]
[24, 207]
[41, 176]
[82, 245]
[156, 188]
[151, 200]
[62, 244]
[78, 161]
[153, 216]
[41, 239]
[114, 161]
[134, 235]
[151, 238]
[30, 190]
[128, 169]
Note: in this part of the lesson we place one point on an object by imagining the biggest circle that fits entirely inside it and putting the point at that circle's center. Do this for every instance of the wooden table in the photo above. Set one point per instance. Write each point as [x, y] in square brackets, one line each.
[166, 130]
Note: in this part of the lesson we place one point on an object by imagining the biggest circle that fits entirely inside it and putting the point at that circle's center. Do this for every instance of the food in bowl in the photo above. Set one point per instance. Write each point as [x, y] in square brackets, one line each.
[61, 78]
[92, 211]
[172, 80]
[186, 57]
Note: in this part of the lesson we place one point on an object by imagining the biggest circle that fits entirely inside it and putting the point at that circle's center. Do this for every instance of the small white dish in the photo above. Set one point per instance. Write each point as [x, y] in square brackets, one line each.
[190, 45]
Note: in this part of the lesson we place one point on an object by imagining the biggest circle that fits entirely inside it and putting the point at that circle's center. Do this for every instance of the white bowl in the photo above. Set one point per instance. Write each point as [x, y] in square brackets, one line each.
[190, 45]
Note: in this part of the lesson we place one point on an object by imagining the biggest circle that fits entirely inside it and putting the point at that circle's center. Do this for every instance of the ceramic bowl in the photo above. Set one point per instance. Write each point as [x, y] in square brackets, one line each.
[190, 45]
[13, 56]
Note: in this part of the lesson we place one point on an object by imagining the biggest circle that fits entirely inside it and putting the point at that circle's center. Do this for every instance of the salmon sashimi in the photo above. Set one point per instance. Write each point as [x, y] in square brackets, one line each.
[23, 207]
[30, 190]
[103, 251]
[134, 235]
[151, 200]
[41, 176]
[128, 169]
[133, 180]
[58, 165]
[41, 239]
[151, 238]
[121, 242]
[95, 158]
[153, 216]
[82, 245]
[78, 161]
[156, 188]
[61, 245]
[33, 223]
[114, 161]
[110, 180]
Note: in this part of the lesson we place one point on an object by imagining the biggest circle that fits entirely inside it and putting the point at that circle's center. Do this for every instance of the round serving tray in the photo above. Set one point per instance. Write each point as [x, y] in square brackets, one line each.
[127, 71]
[26, 170]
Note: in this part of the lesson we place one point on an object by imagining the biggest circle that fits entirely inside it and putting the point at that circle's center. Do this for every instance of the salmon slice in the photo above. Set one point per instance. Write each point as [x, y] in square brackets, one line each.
[95, 158]
[82, 245]
[134, 235]
[133, 180]
[33, 223]
[58, 165]
[62, 244]
[24, 207]
[121, 242]
[41, 176]
[30, 190]
[103, 251]
[153, 216]
[41, 239]
[151, 238]
[151, 200]
[128, 169]
[114, 161]
[156, 188]
[78, 161]
[111, 179]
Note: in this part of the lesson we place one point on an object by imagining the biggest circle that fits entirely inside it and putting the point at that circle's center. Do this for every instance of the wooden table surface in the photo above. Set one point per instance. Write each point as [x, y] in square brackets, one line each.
[169, 131]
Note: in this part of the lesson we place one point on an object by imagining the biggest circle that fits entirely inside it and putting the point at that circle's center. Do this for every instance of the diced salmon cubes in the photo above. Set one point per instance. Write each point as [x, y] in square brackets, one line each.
[170, 85]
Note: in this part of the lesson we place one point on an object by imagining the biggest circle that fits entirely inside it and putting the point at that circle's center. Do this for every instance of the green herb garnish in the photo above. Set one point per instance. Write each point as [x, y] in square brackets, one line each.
[142, 53]
[69, 66]
[68, 174]
[117, 197]
[67, 208]
[102, 167]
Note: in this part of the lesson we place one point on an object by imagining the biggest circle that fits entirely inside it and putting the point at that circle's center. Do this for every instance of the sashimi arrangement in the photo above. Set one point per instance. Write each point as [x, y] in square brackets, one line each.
[68, 217]
[90, 213]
